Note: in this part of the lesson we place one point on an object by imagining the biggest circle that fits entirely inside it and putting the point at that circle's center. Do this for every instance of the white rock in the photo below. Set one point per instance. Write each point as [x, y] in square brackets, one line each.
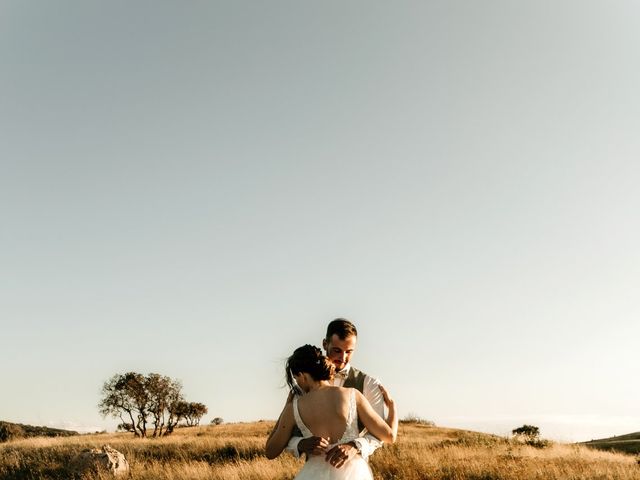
[105, 459]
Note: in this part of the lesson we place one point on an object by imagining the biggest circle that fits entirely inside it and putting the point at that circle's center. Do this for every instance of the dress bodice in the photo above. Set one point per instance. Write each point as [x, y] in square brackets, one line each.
[351, 430]
[317, 467]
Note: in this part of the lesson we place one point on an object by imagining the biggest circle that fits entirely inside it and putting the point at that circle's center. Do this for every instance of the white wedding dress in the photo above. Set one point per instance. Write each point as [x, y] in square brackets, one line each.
[317, 468]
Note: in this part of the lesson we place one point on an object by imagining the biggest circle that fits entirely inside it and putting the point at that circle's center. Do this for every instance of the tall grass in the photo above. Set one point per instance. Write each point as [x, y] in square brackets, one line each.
[235, 452]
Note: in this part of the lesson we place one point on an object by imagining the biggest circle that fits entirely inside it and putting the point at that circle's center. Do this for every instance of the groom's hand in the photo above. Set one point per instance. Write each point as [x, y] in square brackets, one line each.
[340, 454]
[313, 445]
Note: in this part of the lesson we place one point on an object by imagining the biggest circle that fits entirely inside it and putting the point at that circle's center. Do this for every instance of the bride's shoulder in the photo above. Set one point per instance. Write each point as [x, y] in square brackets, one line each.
[348, 391]
[338, 391]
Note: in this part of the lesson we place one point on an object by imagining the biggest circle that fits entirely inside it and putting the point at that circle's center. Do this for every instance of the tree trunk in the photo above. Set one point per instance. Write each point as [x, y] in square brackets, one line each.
[133, 423]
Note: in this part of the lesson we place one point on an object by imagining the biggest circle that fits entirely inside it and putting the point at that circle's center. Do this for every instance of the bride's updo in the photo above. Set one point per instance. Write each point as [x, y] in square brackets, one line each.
[309, 359]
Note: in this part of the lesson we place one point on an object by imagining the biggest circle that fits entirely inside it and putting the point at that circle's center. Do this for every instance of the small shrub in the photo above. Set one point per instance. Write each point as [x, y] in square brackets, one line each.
[414, 418]
[10, 431]
[527, 431]
[538, 443]
[529, 435]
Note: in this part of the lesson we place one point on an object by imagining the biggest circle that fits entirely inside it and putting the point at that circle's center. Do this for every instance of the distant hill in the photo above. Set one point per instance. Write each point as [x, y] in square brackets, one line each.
[629, 443]
[13, 431]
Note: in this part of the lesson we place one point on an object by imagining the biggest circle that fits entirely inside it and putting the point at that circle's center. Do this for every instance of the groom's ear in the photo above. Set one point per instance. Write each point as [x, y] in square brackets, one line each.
[324, 344]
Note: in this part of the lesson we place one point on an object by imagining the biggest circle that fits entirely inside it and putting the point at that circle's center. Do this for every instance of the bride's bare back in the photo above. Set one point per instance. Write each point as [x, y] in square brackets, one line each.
[325, 412]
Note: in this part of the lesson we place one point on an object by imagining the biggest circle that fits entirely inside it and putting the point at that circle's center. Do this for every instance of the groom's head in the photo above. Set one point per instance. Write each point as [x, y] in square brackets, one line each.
[340, 342]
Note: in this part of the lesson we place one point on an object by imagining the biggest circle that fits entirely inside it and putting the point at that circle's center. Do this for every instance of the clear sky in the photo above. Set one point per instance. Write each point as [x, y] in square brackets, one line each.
[197, 188]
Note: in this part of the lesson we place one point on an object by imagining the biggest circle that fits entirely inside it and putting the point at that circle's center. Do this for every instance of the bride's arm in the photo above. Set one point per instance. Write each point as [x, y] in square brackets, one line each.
[385, 431]
[281, 433]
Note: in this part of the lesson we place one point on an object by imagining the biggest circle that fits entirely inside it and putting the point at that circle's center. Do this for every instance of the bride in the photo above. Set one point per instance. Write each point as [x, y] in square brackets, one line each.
[329, 412]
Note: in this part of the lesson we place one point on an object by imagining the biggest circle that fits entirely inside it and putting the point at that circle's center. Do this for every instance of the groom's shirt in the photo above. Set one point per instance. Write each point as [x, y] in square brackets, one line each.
[366, 443]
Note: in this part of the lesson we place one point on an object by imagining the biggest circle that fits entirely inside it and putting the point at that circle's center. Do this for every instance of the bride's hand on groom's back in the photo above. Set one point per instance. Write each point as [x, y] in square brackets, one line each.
[385, 396]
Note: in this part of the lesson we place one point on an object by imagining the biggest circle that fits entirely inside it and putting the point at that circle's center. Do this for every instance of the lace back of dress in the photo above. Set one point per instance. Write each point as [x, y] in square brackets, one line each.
[351, 431]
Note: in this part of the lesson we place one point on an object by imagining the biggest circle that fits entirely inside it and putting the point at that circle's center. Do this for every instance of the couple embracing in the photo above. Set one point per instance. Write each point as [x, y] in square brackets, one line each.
[334, 413]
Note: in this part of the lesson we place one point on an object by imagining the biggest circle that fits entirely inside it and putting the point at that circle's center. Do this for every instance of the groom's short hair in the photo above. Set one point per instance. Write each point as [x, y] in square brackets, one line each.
[341, 327]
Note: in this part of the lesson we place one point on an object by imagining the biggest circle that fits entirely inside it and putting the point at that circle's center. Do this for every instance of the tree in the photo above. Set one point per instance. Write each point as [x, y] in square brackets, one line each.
[174, 397]
[194, 413]
[137, 400]
[125, 396]
[217, 421]
[163, 391]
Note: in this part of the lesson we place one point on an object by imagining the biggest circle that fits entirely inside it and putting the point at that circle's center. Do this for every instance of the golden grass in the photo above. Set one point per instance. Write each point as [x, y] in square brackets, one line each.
[456, 454]
[234, 451]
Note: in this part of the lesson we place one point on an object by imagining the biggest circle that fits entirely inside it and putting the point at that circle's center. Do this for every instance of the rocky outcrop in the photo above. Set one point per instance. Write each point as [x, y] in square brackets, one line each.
[105, 459]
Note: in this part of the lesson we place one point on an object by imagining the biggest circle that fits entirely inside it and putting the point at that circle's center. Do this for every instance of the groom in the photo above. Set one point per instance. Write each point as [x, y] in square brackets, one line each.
[339, 345]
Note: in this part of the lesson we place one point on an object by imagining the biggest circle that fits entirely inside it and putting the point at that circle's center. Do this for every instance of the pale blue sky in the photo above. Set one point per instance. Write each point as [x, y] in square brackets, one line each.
[197, 188]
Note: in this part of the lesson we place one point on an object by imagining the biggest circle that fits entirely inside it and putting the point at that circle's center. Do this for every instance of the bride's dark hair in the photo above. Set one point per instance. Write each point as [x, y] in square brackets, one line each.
[309, 359]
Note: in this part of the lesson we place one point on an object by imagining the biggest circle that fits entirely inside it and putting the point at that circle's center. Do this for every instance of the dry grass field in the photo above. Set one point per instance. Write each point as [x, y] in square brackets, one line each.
[234, 451]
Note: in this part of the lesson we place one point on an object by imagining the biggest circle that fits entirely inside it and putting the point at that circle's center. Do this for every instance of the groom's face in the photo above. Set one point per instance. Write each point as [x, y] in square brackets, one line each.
[339, 351]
